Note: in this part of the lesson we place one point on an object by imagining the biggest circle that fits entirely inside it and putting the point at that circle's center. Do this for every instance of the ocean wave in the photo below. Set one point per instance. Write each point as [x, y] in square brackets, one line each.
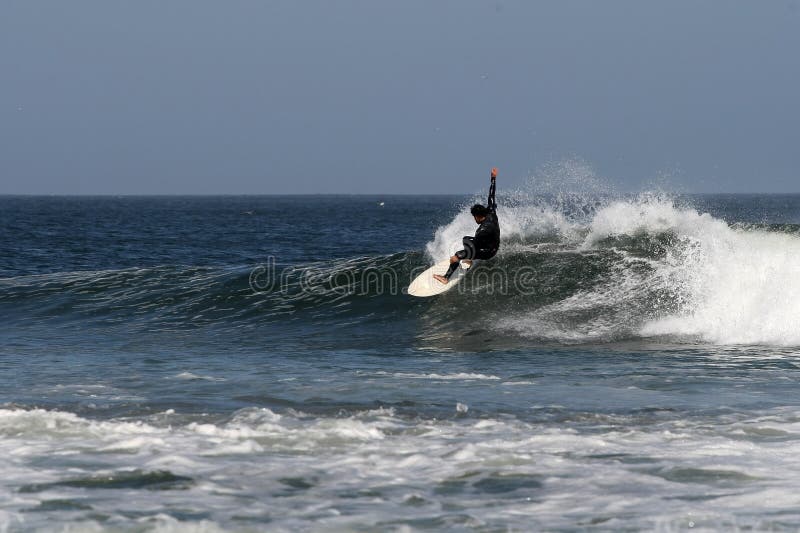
[568, 272]
[646, 267]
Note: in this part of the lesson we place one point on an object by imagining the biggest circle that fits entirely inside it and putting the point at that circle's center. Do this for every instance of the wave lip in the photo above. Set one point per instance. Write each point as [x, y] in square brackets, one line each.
[743, 288]
[646, 267]
[729, 285]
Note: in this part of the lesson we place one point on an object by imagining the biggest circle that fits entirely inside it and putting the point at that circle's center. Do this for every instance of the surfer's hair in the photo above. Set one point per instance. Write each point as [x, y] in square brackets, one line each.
[479, 211]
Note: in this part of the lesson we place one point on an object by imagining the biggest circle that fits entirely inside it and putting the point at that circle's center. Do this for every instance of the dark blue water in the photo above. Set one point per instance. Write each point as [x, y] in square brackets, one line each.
[251, 363]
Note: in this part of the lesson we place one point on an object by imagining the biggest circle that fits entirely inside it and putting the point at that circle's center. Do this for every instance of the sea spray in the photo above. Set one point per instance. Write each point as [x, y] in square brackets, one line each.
[669, 270]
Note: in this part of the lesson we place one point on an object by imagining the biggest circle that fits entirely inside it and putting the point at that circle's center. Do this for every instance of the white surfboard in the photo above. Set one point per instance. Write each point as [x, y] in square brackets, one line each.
[425, 285]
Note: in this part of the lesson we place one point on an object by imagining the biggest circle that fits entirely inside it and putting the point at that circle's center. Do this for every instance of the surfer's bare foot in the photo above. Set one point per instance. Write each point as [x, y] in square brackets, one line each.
[440, 278]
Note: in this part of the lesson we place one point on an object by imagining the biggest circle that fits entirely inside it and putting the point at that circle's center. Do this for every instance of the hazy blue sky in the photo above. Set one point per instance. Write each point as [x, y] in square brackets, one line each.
[409, 96]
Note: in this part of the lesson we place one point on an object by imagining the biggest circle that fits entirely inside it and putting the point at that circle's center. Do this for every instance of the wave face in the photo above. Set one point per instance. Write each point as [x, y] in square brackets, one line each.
[570, 270]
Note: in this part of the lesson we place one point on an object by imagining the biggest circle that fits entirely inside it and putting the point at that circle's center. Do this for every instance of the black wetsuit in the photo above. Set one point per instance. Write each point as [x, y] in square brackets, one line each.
[485, 243]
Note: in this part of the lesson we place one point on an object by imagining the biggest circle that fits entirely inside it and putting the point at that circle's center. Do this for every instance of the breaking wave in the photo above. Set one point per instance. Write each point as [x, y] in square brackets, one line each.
[569, 271]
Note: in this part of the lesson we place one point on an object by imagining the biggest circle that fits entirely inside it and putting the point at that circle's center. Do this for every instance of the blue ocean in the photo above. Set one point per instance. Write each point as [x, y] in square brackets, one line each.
[252, 363]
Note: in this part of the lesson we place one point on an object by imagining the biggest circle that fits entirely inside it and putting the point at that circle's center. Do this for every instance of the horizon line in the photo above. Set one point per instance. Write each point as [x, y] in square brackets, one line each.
[208, 195]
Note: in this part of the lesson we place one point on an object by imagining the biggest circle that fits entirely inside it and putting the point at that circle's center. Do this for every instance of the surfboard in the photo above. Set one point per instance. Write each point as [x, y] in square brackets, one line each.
[425, 285]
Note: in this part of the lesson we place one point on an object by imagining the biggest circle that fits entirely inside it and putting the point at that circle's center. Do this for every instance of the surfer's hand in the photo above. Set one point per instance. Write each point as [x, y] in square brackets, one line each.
[494, 174]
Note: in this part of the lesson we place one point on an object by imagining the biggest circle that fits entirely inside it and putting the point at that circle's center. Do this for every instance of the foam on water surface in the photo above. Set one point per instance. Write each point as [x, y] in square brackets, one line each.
[672, 271]
[361, 471]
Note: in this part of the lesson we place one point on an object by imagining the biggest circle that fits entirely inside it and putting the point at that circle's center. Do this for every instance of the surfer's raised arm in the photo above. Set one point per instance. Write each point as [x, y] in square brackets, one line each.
[491, 204]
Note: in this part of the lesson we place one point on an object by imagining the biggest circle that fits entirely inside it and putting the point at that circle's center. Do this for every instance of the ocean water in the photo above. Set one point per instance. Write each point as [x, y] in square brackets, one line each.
[252, 364]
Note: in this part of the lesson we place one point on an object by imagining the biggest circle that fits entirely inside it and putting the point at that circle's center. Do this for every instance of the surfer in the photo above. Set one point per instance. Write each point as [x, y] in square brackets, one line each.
[485, 243]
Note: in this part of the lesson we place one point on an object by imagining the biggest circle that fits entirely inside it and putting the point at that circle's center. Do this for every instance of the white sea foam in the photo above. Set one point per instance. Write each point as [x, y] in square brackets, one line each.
[738, 286]
[729, 285]
[743, 287]
[456, 376]
[193, 376]
[358, 471]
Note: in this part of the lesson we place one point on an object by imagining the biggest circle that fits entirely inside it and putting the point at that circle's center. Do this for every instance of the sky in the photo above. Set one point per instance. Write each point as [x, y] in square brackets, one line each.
[411, 96]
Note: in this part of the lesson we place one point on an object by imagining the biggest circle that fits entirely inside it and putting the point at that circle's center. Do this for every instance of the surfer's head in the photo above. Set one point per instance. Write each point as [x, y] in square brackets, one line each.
[479, 212]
